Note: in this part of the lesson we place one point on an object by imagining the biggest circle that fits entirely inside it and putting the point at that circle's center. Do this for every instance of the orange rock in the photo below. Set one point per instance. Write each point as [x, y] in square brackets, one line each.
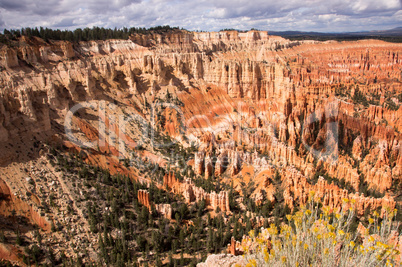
[143, 198]
[330, 194]
[169, 180]
[234, 247]
[11, 203]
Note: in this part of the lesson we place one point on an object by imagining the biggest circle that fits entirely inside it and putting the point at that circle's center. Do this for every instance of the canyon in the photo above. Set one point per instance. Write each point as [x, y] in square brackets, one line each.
[203, 117]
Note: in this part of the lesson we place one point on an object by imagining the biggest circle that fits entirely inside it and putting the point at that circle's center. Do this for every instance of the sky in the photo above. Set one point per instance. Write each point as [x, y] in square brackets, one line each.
[206, 15]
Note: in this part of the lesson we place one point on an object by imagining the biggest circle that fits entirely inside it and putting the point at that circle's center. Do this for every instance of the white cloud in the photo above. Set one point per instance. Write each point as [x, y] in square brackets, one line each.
[217, 13]
[317, 15]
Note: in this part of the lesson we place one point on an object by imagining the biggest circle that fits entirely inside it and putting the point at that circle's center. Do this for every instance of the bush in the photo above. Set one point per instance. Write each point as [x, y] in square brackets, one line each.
[322, 239]
[360, 98]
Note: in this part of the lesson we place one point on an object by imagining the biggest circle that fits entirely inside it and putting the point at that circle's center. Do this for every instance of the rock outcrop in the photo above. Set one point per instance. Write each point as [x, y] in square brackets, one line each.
[12, 206]
[246, 103]
[169, 180]
[193, 193]
[331, 195]
[234, 247]
[163, 209]
[143, 198]
[224, 260]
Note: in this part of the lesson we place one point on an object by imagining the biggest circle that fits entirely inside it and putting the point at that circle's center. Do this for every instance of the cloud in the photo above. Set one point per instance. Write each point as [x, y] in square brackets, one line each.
[13, 5]
[317, 15]
[64, 23]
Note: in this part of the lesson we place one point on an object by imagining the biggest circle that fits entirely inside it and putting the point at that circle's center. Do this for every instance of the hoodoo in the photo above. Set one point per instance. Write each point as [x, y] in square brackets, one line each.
[170, 146]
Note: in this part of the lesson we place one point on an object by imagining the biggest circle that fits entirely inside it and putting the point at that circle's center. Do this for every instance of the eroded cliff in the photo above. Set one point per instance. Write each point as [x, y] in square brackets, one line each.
[235, 109]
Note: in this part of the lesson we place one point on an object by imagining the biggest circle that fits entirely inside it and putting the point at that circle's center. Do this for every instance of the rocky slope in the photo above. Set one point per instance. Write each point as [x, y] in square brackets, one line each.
[324, 115]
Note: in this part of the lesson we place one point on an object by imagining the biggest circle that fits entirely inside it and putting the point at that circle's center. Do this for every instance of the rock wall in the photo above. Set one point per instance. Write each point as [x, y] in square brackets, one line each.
[234, 247]
[246, 91]
[143, 198]
[169, 180]
[192, 193]
[163, 209]
[297, 190]
[10, 203]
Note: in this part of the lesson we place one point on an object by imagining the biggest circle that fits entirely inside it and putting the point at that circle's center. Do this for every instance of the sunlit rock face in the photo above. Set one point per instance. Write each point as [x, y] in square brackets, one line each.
[250, 103]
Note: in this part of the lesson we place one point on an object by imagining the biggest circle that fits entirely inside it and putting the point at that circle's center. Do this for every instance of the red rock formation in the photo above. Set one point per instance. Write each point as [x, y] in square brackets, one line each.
[199, 163]
[220, 200]
[169, 180]
[234, 247]
[343, 169]
[143, 198]
[10, 253]
[236, 164]
[252, 91]
[192, 193]
[208, 167]
[9, 203]
[330, 194]
[219, 168]
[163, 209]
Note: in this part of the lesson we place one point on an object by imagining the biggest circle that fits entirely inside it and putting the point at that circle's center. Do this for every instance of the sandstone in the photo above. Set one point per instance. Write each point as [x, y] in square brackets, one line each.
[199, 163]
[169, 180]
[67, 49]
[330, 194]
[192, 193]
[10, 202]
[250, 102]
[165, 210]
[224, 260]
[9, 58]
[208, 167]
[234, 247]
[143, 198]
[357, 148]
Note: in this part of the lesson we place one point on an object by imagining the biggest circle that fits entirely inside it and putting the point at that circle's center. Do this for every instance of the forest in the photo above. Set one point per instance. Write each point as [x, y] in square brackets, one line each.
[78, 35]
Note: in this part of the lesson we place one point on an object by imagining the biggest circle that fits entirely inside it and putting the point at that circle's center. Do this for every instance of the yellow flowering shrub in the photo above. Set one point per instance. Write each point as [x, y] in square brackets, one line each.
[313, 239]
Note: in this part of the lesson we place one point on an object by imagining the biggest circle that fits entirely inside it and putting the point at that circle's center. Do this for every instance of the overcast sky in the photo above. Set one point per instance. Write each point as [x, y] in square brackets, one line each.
[305, 15]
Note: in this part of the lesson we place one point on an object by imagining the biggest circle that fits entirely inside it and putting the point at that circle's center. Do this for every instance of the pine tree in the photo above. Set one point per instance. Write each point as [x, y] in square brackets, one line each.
[181, 258]
[171, 263]
[19, 240]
